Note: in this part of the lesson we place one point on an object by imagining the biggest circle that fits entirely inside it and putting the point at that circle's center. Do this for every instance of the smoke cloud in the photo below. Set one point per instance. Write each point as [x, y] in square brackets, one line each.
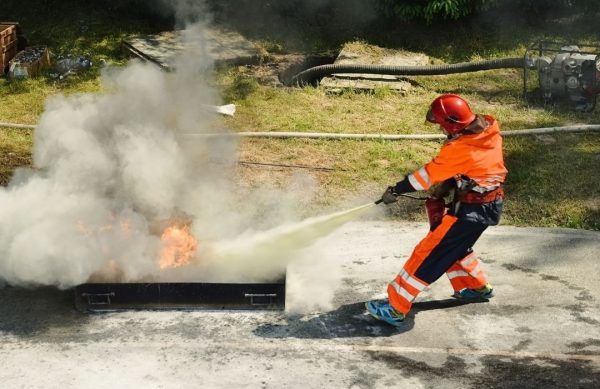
[112, 171]
[109, 169]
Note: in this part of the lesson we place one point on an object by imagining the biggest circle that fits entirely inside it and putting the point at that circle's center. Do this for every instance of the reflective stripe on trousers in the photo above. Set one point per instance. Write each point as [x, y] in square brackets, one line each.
[404, 288]
[448, 245]
[467, 273]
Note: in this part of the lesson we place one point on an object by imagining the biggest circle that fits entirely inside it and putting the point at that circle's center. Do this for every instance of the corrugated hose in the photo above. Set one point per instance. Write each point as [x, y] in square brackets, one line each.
[309, 75]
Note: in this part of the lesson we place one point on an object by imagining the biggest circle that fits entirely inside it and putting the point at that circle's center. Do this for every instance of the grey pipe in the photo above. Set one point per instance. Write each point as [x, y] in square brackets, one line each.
[309, 75]
[327, 135]
[17, 125]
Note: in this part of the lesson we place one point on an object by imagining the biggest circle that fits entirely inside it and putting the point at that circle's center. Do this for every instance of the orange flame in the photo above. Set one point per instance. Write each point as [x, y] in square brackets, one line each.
[178, 246]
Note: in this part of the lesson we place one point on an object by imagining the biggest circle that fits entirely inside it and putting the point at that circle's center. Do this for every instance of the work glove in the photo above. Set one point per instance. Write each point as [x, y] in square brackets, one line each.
[389, 196]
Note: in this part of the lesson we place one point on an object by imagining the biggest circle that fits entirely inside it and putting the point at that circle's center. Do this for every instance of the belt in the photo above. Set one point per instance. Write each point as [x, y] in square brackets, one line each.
[480, 198]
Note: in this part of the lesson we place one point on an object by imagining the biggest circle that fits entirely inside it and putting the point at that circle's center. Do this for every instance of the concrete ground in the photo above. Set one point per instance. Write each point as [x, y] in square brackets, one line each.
[225, 47]
[542, 330]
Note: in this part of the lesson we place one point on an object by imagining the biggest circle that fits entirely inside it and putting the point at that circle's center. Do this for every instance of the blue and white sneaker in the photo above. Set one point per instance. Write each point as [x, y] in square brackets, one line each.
[382, 310]
[484, 293]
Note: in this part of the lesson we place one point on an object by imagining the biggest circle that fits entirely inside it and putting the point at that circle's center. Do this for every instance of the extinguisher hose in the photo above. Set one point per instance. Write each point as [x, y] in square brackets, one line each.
[405, 195]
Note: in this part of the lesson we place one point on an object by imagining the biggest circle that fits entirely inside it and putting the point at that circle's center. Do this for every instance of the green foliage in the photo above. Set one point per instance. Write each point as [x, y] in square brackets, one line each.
[537, 12]
[541, 6]
[431, 9]
[534, 10]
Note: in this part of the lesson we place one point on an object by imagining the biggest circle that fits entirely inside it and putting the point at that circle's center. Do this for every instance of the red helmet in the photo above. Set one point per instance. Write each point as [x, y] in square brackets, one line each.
[451, 112]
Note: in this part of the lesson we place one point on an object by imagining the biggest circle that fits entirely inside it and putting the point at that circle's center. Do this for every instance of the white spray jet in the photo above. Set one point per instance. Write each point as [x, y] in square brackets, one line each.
[228, 109]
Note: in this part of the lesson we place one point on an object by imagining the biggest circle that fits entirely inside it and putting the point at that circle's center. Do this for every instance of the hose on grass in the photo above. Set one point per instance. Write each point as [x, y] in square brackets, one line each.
[392, 137]
[326, 135]
[310, 75]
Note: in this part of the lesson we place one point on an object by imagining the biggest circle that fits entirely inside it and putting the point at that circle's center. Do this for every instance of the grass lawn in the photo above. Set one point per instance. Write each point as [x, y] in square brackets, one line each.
[553, 180]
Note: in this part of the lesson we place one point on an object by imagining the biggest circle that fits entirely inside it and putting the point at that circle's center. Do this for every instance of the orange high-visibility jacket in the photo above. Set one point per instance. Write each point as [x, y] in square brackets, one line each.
[478, 156]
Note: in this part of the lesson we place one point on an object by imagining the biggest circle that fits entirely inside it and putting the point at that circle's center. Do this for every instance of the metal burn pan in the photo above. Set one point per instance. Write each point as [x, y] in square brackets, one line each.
[100, 297]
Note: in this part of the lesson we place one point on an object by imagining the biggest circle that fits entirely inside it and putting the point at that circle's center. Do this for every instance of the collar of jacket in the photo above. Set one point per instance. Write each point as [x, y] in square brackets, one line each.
[477, 126]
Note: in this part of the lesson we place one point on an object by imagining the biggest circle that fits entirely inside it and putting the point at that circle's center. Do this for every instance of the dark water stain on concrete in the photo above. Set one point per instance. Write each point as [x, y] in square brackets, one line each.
[425, 372]
[363, 379]
[577, 311]
[512, 267]
[581, 347]
[522, 345]
[585, 295]
[523, 330]
[500, 310]
[567, 284]
[497, 372]
[547, 277]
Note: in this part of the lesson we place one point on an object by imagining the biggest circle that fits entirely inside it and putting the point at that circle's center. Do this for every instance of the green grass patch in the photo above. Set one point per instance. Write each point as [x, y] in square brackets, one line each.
[15, 151]
[498, 93]
[552, 180]
[69, 27]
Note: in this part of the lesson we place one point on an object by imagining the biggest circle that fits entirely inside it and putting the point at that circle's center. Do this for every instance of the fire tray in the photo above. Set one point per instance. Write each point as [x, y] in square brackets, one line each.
[98, 297]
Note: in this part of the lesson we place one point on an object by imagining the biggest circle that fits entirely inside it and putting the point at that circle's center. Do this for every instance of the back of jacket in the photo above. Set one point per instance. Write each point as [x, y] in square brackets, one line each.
[477, 153]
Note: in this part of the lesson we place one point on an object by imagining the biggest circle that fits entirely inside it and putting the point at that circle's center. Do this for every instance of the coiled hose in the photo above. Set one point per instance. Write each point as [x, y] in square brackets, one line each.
[309, 75]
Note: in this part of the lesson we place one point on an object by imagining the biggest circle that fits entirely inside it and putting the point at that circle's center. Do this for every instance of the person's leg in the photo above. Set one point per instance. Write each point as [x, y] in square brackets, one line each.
[467, 273]
[431, 258]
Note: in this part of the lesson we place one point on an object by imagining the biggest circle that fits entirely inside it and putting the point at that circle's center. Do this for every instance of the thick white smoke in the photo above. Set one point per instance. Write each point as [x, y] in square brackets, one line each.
[109, 168]
[113, 170]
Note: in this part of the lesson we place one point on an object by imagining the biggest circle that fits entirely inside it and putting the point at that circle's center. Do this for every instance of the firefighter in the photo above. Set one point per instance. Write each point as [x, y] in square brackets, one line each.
[469, 165]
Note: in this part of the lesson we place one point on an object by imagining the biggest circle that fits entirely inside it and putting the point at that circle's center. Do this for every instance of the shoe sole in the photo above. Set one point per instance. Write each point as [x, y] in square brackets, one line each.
[478, 298]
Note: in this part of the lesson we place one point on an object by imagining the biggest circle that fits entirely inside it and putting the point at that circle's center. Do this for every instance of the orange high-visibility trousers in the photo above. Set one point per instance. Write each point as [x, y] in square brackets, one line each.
[447, 249]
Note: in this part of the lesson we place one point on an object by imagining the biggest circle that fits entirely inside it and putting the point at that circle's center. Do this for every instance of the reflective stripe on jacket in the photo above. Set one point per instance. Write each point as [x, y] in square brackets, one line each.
[475, 155]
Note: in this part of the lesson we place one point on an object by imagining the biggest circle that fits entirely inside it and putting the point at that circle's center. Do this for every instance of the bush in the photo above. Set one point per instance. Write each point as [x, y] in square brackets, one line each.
[430, 10]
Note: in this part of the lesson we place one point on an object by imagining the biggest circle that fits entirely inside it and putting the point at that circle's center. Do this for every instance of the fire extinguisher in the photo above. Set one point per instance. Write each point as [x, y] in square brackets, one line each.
[436, 208]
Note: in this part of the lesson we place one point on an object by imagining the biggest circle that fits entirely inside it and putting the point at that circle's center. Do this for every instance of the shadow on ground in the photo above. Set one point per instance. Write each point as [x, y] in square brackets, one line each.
[348, 321]
[30, 312]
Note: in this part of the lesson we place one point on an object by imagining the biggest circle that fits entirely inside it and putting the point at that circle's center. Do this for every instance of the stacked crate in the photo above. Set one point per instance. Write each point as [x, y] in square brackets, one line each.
[8, 45]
